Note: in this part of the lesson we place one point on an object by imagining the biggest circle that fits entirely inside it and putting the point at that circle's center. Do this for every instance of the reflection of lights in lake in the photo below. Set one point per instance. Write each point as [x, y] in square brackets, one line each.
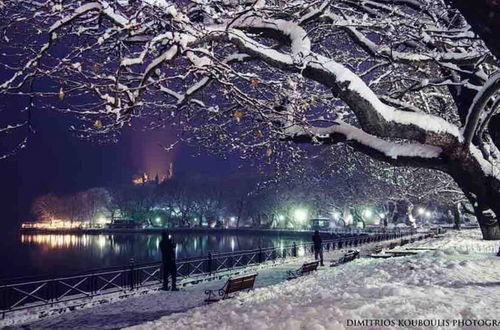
[56, 241]
[281, 246]
[233, 244]
[101, 242]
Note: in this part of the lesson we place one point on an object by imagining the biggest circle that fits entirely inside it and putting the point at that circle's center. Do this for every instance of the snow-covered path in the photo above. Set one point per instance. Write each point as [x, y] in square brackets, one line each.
[147, 307]
[459, 281]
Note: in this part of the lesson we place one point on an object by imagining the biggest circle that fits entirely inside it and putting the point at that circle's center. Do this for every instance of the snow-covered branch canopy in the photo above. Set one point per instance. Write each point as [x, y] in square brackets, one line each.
[382, 75]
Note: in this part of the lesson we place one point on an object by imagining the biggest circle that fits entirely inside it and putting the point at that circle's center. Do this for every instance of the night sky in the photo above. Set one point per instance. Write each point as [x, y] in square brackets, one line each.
[56, 161]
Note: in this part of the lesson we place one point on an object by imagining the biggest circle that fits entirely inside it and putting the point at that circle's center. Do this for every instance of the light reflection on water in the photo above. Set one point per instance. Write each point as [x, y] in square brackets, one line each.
[39, 254]
[56, 241]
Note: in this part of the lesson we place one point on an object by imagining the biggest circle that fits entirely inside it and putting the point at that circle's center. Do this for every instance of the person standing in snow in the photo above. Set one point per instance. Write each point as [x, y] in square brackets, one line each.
[167, 247]
[318, 247]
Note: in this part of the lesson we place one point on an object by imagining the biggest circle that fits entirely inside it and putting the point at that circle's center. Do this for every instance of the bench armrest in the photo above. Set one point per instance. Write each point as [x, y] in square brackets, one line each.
[212, 294]
[294, 273]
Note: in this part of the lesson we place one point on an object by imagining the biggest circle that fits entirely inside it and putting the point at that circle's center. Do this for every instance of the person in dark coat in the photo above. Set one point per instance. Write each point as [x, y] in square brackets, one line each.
[318, 247]
[167, 247]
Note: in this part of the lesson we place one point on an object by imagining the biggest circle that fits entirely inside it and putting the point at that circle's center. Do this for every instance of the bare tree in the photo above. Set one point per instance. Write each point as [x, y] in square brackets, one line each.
[48, 207]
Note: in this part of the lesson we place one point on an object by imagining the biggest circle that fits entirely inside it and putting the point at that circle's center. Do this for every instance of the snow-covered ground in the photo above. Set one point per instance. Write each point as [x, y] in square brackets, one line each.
[460, 279]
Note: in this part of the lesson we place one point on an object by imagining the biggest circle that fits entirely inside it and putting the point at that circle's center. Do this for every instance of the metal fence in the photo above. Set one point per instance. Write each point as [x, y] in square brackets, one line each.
[36, 293]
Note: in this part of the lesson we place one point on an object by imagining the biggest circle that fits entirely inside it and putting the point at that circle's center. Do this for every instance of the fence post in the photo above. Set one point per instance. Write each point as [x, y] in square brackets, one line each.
[294, 250]
[131, 273]
[92, 285]
[3, 301]
[209, 263]
[52, 291]
[259, 256]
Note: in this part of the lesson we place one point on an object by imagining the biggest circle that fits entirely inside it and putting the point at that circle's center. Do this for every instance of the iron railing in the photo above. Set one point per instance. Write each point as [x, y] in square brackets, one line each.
[27, 294]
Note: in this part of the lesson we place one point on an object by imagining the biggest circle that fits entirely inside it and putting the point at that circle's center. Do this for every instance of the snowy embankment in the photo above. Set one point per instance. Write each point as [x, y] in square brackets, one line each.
[459, 281]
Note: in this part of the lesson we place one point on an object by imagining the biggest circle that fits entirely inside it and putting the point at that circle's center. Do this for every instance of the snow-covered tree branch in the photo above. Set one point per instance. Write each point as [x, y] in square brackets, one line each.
[405, 81]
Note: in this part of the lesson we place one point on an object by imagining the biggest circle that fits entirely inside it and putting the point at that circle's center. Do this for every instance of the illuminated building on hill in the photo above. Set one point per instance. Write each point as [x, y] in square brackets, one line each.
[150, 178]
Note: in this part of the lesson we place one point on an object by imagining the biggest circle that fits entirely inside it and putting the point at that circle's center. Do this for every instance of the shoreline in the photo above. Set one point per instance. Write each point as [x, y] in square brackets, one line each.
[239, 231]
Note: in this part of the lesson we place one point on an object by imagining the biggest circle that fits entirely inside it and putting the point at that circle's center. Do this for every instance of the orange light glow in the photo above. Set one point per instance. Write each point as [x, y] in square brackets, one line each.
[56, 241]
[55, 224]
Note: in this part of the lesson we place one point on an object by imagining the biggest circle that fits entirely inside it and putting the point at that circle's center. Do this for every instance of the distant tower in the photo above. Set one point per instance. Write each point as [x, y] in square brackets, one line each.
[170, 170]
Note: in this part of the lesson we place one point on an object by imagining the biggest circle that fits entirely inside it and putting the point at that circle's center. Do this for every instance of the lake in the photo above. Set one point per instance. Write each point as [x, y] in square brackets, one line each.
[62, 254]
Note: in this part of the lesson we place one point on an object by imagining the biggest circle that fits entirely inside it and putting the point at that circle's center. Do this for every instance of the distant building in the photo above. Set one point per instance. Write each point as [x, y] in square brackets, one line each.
[321, 224]
[157, 179]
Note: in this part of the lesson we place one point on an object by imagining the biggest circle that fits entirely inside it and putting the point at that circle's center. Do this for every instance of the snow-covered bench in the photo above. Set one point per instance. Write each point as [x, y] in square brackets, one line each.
[392, 245]
[347, 257]
[232, 285]
[305, 269]
[404, 242]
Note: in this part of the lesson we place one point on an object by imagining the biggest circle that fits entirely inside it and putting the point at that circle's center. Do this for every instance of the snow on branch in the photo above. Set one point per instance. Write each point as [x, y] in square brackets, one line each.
[371, 111]
[343, 131]
[476, 112]
[376, 50]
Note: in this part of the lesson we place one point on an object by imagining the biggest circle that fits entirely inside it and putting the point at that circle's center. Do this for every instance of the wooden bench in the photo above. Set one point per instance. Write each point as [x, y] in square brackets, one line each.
[377, 249]
[392, 245]
[404, 242]
[347, 257]
[305, 269]
[232, 285]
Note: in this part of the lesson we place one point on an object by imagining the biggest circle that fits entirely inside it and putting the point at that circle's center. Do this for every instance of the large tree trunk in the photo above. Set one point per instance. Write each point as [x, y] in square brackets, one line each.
[457, 216]
[482, 190]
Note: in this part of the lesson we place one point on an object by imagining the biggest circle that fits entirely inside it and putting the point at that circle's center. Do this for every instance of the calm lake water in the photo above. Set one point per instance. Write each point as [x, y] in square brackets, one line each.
[43, 254]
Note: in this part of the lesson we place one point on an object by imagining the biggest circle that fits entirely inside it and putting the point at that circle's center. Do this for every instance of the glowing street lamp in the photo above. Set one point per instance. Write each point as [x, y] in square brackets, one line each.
[428, 214]
[381, 215]
[348, 219]
[336, 215]
[421, 211]
[158, 220]
[281, 217]
[300, 215]
[367, 213]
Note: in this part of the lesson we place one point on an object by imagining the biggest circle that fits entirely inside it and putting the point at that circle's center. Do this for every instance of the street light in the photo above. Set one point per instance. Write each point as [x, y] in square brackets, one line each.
[381, 215]
[281, 217]
[158, 220]
[336, 215]
[367, 213]
[348, 219]
[428, 214]
[300, 215]
[420, 211]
